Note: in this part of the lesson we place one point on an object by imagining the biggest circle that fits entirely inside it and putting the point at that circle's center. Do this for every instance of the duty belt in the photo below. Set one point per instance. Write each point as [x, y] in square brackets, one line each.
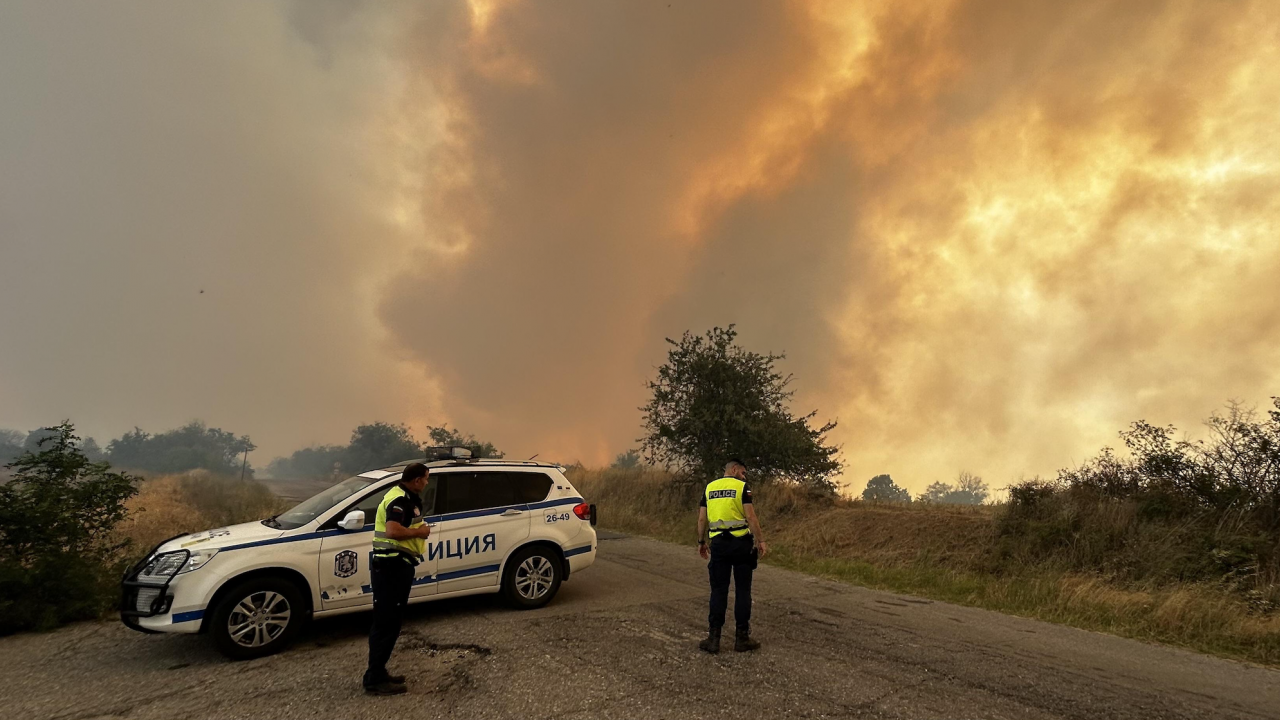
[728, 525]
[380, 554]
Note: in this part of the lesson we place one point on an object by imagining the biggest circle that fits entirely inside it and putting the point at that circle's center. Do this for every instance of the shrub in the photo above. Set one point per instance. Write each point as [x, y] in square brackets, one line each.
[1171, 510]
[59, 560]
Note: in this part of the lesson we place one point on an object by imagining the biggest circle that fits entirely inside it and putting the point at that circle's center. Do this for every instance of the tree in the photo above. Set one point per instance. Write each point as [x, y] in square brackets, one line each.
[442, 436]
[58, 559]
[192, 446]
[714, 400]
[882, 488]
[10, 445]
[629, 460]
[36, 437]
[935, 493]
[968, 490]
[319, 461]
[92, 451]
[378, 445]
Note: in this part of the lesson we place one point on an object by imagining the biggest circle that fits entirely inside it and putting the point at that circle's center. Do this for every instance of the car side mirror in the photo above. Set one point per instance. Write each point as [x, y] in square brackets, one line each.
[353, 521]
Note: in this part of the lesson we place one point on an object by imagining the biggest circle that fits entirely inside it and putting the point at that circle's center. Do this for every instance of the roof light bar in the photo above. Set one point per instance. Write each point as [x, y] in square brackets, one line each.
[449, 453]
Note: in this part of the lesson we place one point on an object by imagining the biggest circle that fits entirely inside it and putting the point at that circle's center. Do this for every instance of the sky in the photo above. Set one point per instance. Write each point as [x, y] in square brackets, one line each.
[987, 234]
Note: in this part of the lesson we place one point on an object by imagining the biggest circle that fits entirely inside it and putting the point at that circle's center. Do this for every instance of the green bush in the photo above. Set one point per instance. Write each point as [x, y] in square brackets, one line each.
[58, 559]
[1168, 511]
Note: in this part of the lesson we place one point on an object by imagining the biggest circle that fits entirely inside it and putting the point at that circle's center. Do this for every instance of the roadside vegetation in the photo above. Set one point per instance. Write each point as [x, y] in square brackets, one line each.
[1171, 541]
[69, 526]
[1168, 540]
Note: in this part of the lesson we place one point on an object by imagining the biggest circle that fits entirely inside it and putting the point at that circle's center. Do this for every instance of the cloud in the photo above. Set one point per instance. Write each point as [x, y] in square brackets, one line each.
[193, 221]
[987, 234]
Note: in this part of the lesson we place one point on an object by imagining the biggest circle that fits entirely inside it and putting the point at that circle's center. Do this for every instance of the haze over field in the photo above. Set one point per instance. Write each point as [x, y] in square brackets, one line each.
[987, 234]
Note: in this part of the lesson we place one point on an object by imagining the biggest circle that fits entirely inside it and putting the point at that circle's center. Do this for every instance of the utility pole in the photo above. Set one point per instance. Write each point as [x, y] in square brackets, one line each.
[244, 464]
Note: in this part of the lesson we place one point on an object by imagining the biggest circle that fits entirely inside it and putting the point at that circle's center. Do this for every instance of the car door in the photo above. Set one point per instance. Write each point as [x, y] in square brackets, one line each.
[344, 559]
[482, 518]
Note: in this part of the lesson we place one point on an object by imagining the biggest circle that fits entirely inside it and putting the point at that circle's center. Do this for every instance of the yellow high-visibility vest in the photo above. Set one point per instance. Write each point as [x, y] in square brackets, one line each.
[384, 546]
[725, 512]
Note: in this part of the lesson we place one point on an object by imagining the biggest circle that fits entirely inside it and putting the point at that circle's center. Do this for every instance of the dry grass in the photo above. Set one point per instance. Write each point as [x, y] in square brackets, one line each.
[947, 553]
[175, 504]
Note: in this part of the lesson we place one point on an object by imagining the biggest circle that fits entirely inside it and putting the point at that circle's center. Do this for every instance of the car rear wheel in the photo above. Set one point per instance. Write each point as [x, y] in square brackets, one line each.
[532, 577]
[256, 617]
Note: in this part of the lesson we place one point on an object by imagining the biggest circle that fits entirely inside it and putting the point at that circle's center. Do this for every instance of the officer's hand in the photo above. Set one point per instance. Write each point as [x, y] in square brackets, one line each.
[762, 549]
[424, 532]
[703, 552]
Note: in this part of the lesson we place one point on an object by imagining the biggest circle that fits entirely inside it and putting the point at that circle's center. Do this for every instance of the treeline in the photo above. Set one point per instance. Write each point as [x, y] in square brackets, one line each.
[373, 446]
[196, 446]
[968, 489]
[192, 446]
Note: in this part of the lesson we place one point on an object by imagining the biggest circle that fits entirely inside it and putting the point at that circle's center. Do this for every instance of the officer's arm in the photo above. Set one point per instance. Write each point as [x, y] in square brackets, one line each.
[702, 524]
[750, 511]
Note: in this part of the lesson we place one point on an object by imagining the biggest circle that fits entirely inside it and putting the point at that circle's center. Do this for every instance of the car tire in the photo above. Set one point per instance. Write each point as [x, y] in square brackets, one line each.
[256, 617]
[532, 577]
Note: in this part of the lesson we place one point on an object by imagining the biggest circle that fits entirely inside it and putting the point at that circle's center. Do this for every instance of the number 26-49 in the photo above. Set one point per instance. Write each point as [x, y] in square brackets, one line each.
[562, 517]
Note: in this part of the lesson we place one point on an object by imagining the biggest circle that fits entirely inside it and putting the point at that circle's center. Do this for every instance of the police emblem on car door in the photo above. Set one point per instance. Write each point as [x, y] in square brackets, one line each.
[345, 563]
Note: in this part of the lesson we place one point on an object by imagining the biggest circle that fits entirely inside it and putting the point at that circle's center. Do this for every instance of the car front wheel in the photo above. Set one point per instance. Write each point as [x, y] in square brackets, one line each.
[256, 617]
[532, 577]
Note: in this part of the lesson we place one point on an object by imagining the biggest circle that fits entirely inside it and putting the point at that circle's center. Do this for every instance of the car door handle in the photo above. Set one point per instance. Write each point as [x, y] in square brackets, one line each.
[511, 511]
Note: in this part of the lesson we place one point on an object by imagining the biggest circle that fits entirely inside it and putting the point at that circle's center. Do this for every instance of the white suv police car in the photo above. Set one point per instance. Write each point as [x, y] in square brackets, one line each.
[518, 528]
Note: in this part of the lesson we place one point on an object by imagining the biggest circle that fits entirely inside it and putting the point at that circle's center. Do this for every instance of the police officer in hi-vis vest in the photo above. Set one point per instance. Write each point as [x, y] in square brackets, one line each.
[736, 544]
[398, 543]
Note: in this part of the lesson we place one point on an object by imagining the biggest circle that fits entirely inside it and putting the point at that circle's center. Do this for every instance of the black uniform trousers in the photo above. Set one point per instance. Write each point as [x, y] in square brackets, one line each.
[391, 579]
[734, 556]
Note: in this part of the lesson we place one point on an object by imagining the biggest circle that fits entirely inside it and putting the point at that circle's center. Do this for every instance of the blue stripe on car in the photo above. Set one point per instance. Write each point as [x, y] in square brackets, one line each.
[431, 519]
[451, 575]
[187, 616]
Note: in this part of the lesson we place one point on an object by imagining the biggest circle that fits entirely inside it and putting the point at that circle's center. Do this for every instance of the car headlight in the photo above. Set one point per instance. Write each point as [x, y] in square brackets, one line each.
[167, 565]
[164, 565]
[198, 559]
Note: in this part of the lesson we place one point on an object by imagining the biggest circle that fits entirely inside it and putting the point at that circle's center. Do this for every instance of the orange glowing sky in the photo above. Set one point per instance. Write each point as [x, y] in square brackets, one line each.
[987, 234]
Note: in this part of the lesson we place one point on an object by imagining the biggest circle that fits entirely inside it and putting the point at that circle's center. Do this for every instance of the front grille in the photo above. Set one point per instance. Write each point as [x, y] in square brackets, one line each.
[146, 596]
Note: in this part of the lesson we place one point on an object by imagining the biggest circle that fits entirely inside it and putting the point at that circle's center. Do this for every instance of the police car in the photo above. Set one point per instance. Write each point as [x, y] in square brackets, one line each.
[497, 526]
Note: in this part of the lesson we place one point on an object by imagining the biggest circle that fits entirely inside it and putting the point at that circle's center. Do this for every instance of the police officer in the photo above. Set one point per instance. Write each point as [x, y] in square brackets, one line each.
[735, 545]
[398, 543]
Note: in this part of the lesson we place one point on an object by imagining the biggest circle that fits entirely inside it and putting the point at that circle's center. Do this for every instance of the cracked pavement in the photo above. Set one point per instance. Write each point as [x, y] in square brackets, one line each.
[620, 641]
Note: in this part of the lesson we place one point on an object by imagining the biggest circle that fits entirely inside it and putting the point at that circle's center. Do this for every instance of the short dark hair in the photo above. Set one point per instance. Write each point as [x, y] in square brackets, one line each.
[413, 472]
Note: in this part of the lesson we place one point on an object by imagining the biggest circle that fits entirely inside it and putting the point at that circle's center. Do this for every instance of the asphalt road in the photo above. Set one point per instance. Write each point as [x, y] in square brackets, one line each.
[620, 641]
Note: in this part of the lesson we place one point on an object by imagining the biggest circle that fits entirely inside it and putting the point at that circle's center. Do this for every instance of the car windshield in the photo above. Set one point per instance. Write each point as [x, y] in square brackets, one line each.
[310, 509]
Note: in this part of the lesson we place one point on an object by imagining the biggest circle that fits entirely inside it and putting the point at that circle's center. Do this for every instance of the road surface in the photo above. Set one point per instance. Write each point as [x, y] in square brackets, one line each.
[620, 641]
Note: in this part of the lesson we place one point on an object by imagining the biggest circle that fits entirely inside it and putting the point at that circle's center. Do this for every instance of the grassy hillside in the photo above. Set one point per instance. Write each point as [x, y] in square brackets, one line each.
[173, 504]
[972, 556]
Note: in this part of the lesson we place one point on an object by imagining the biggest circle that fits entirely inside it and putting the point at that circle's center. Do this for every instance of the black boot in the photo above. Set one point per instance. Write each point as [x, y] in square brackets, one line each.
[742, 642]
[712, 643]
